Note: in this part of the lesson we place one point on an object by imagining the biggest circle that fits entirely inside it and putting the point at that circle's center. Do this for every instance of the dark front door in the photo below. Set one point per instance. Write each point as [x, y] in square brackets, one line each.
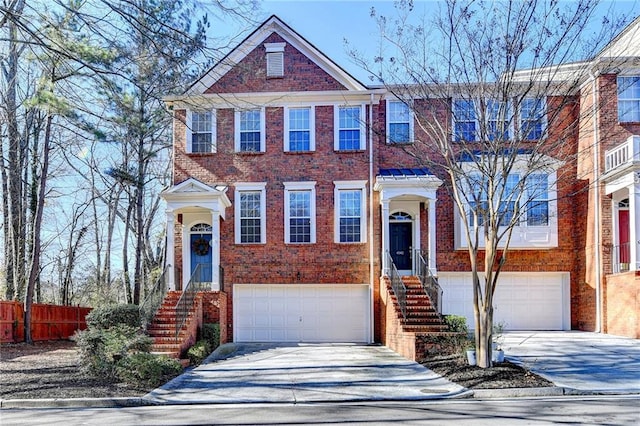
[400, 242]
[623, 236]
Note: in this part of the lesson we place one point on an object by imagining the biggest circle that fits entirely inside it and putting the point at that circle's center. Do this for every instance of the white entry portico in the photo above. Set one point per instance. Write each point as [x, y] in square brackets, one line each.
[403, 194]
[199, 208]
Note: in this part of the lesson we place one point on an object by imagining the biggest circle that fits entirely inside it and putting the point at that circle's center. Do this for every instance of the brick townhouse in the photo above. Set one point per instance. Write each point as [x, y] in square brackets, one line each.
[294, 197]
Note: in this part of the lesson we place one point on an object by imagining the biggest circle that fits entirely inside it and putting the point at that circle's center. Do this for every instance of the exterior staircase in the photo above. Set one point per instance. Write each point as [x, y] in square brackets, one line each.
[162, 328]
[421, 315]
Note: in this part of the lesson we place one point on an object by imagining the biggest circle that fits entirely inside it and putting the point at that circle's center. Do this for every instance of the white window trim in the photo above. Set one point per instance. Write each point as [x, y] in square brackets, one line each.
[250, 186]
[411, 120]
[336, 127]
[545, 126]
[312, 127]
[632, 75]
[340, 185]
[237, 130]
[300, 186]
[524, 236]
[189, 133]
[510, 118]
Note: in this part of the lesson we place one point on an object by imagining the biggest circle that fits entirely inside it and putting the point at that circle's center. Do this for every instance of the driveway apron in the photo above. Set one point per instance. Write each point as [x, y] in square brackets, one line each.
[295, 373]
[583, 361]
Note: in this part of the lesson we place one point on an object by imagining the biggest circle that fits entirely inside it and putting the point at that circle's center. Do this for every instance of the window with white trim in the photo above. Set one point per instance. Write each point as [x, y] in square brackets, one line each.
[533, 122]
[629, 99]
[467, 121]
[250, 130]
[464, 120]
[300, 212]
[349, 128]
[250, 213]
[299, 132]
[538, 199]
[350, 208]
[399, 122]
[201, 131]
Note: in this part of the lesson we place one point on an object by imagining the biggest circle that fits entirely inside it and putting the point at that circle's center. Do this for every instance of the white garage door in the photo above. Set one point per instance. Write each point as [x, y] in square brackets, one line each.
[523, 301]
[301, 313]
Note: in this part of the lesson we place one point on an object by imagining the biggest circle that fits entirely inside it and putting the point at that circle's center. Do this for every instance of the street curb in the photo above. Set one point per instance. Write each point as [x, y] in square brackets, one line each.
[75, 403]
[518, 392]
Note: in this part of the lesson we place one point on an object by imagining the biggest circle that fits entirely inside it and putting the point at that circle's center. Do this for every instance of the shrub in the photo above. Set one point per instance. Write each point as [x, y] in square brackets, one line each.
[198, 352]
[101, 349]
[456, 323]
[211, 333]
[146, 369]
[105, 317]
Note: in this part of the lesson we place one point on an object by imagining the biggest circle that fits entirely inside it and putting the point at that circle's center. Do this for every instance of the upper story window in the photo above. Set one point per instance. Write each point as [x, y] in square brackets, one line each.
[250, 131]
[300, 212]
[629, 99]
[299, 129]
[201, 131]
[275, 59]
[533, 122]
[464, 120]
[349, 128]
[467, 125]
[535, 200]
[350, 206]
[250, 213]
[399, 122]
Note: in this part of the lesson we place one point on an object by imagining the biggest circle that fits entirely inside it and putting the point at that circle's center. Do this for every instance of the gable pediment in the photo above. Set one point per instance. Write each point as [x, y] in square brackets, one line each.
[240, 70]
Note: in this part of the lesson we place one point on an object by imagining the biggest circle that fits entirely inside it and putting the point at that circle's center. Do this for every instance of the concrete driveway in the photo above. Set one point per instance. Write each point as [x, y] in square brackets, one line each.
[305, 373]
[580, 361]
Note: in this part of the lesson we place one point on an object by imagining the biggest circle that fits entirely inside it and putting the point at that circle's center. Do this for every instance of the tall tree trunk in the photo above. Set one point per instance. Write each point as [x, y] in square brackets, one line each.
[37, 226]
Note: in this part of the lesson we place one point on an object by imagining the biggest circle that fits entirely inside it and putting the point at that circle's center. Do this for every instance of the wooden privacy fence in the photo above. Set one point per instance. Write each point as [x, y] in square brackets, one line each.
[48, 322]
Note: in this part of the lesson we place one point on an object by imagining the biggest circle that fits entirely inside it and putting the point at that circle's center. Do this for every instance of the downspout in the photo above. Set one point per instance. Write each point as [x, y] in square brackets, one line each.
[597, 214]
[371, 224]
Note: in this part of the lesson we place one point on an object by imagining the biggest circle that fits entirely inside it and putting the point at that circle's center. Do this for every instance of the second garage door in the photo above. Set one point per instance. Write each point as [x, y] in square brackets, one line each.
[301, 313]
[523, 301]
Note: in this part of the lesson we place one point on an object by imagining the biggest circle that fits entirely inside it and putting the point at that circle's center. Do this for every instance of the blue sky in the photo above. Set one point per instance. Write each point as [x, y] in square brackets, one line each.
[327, 23]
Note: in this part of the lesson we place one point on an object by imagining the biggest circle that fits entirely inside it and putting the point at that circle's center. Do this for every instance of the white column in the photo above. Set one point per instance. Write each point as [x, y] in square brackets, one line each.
[215, 250]
[432, 237]
[170, 257]
[634, 225]
[385, 235]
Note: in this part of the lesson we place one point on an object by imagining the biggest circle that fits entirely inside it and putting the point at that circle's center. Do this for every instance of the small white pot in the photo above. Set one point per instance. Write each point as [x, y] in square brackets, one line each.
[471, 357]
[497, 355]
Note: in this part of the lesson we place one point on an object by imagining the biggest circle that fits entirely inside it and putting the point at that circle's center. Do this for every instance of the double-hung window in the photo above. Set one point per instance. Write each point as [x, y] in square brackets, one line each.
[299, 129]
[533, 121]
[399, 122]
[300, 212]
[250, 213]
[478, 202]
[497, 120]
[201, 131]
[537, 199]
[464, 120]
[249, 130]
[629, 99]
[508, 207]
[350, 219]
[349, 128]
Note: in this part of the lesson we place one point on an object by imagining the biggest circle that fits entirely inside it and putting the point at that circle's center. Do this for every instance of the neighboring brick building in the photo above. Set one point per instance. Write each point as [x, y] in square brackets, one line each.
[291, 182]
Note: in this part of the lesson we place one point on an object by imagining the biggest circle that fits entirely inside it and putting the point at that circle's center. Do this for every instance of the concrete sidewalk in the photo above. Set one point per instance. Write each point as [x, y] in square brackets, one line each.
[299, 373]
[579, 361]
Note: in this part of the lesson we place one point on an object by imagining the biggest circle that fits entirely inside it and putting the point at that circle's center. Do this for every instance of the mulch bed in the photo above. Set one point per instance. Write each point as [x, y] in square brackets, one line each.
[500, 376]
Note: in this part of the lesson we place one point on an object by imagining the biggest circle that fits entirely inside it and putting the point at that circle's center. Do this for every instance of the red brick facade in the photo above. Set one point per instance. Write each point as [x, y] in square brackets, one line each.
[277, 262]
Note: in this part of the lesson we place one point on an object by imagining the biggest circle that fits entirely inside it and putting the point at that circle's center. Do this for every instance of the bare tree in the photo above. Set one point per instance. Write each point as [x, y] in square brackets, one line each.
[496, 116]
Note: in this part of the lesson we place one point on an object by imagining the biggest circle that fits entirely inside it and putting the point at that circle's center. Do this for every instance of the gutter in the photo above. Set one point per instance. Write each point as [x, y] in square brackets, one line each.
[597, 213]
[371, 206]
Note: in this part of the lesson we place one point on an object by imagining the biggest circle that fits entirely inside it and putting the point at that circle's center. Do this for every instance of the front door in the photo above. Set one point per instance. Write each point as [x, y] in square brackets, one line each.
[623, 237]
[400, 244]
[201, 255]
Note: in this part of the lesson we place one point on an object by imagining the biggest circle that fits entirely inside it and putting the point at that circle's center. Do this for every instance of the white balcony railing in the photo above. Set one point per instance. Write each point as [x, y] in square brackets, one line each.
[623, 154]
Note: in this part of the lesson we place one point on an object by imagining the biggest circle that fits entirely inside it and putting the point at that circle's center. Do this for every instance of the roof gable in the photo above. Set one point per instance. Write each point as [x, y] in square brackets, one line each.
[255, 40]
[624, 45]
